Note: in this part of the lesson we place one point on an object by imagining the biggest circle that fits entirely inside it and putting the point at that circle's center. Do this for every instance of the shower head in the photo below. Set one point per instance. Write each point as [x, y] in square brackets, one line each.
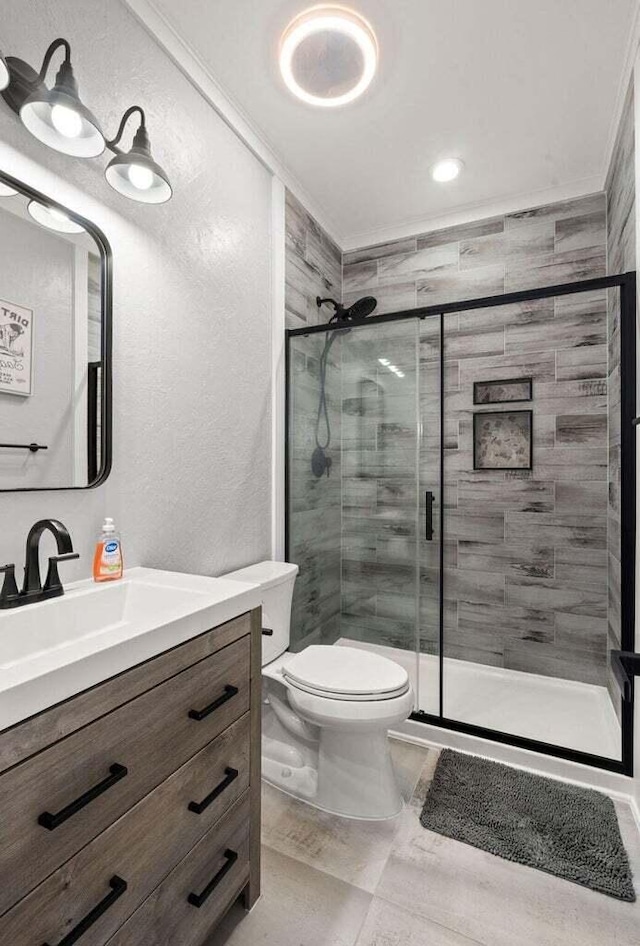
[361, 308]
[358, 310]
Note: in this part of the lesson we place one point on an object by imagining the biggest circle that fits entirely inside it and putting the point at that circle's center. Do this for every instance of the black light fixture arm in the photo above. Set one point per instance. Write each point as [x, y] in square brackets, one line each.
[112, 145]
[48, 56]
[56, 115]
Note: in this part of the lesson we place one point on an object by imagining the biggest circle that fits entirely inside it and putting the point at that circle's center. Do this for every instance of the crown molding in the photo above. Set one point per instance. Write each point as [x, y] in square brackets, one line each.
[471, 213]
[628, 66]
[188, 61]
[192, 66]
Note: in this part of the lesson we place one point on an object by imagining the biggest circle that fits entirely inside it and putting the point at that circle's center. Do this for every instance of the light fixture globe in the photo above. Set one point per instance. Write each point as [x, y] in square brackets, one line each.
[136, 175]
[5, 77]
[58, 118]
[52, 218]
[328, 56]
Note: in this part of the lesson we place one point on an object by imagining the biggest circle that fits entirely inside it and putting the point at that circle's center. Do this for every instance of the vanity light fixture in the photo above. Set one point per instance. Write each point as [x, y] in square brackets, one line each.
[58, 118]
[328, 55]
[446, 170]
[134, 173]
[52, 218]
[5, 78]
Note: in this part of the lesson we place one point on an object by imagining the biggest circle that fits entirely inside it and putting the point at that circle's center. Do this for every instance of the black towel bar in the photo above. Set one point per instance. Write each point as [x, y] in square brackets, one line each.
[33, 447]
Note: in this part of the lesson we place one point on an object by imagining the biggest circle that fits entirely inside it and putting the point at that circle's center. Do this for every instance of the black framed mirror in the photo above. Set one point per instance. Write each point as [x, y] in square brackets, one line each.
[55, 344]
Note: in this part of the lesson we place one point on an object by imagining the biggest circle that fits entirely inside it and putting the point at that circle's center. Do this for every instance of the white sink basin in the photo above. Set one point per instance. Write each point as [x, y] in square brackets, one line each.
[54, 649]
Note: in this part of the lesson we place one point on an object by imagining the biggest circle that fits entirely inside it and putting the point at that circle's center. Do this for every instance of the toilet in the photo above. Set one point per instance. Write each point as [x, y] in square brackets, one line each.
[326, 711]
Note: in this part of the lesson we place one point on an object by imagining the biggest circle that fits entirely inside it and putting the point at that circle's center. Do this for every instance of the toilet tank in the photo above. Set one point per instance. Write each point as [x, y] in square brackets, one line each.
[276, 580]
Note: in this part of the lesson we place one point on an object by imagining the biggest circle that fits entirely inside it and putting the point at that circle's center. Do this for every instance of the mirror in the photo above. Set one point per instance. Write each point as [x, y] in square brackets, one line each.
[55, 344]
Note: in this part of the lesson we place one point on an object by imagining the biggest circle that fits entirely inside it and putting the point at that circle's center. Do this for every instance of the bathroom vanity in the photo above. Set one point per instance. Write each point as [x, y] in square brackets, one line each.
[130, 809]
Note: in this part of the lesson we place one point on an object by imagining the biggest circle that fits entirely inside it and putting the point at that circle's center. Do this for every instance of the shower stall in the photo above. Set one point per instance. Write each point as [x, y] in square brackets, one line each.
[461, 498]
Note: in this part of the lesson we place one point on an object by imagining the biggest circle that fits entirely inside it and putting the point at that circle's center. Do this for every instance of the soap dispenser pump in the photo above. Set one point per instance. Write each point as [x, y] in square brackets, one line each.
[107, 561]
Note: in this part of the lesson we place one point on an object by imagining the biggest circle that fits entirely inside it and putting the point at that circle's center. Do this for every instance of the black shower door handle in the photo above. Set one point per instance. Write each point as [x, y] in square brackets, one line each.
[428, 516]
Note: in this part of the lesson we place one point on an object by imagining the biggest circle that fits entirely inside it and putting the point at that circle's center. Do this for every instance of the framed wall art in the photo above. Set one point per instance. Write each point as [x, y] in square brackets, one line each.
[502, 392]
[16, 349]
[503, 440]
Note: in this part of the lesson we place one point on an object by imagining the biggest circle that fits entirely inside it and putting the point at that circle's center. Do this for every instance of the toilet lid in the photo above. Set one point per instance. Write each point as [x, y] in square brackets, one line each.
[346, 673]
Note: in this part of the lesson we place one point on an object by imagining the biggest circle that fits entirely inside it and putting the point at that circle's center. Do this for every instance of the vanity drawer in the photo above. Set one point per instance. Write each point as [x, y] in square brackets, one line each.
[94, 776]
[188, 904]
[41, 731]
[124, 865]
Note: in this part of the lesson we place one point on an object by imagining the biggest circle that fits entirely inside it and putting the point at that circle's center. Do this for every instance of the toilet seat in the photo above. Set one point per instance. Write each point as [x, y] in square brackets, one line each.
[340, 673]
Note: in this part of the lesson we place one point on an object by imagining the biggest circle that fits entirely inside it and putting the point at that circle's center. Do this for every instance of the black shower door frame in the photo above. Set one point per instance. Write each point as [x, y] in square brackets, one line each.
[626, 283]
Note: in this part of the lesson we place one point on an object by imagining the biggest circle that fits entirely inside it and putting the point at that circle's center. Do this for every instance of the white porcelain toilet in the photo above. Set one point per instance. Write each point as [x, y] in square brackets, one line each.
[326, 711]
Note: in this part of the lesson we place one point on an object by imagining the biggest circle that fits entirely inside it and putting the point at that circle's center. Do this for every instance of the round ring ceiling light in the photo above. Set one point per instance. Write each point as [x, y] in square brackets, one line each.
[328, 56]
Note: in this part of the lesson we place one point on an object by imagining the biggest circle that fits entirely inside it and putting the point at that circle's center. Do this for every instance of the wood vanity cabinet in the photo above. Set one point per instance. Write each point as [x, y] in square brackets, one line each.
[130, 813]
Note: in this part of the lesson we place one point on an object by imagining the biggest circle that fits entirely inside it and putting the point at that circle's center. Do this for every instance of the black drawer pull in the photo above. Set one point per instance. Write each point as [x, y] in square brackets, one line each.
[229, 692]
[49, 821]
[118, 887]
[197, 899]
[230, 776]
[267, 631]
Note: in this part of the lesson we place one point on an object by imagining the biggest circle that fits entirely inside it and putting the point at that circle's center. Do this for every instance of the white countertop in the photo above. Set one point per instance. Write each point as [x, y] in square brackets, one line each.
[52, 650]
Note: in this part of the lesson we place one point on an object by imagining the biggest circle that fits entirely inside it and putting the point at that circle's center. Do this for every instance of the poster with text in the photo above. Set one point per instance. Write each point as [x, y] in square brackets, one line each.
[16, 348]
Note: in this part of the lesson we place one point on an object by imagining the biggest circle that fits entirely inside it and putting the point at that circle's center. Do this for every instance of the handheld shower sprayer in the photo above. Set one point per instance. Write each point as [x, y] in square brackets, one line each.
[320, 459]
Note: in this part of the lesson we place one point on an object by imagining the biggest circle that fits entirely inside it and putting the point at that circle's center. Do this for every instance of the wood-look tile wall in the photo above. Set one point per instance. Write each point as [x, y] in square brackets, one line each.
[313, 267]
[526, 553]
[530, 575]
[620, 190]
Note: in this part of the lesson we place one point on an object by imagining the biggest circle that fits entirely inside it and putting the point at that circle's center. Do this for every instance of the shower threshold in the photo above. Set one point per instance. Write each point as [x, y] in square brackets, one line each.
[565, 713]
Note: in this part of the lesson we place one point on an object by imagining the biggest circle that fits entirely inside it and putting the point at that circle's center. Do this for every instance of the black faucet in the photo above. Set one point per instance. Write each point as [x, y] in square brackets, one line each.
[32, 589]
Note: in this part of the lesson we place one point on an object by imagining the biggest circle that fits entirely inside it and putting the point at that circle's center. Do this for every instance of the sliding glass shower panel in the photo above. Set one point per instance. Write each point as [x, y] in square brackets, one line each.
[530, 422]
[381, 529]
[432, 552]
[314, 487]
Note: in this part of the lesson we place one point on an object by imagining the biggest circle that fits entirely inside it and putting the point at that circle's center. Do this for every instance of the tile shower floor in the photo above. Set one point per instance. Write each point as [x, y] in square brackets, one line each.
[563, 712]
[328, 881]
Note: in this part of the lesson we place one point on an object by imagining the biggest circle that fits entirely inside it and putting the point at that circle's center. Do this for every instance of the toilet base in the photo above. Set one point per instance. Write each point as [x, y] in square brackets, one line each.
[356, 776]
[354, 779]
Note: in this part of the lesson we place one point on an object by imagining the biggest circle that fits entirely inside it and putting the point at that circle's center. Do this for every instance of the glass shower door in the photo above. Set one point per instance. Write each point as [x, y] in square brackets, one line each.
[530, 460]
[381, 525]
[356, 500]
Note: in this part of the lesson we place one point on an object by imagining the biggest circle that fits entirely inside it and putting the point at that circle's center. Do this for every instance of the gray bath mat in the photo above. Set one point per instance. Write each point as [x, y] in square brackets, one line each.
[559, 828]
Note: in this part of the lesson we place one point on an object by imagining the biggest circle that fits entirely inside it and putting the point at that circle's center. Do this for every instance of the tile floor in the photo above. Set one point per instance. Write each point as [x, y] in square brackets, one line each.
[328, 881]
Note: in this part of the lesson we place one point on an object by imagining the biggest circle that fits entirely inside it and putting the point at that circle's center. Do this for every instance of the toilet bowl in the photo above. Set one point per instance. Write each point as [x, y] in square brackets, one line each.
[326, 712]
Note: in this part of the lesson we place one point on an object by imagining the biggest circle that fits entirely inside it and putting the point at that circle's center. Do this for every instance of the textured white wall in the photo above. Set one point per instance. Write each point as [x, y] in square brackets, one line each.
[190, 487]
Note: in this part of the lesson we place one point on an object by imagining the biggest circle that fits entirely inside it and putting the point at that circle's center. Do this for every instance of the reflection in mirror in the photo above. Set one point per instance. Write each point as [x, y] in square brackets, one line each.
[54, 357]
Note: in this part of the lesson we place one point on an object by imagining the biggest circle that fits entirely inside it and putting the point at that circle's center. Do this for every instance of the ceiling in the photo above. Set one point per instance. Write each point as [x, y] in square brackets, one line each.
[524, 92]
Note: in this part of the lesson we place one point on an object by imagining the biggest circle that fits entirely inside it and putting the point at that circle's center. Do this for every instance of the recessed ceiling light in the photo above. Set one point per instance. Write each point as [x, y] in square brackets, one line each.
[446, 170]
[328, 56]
